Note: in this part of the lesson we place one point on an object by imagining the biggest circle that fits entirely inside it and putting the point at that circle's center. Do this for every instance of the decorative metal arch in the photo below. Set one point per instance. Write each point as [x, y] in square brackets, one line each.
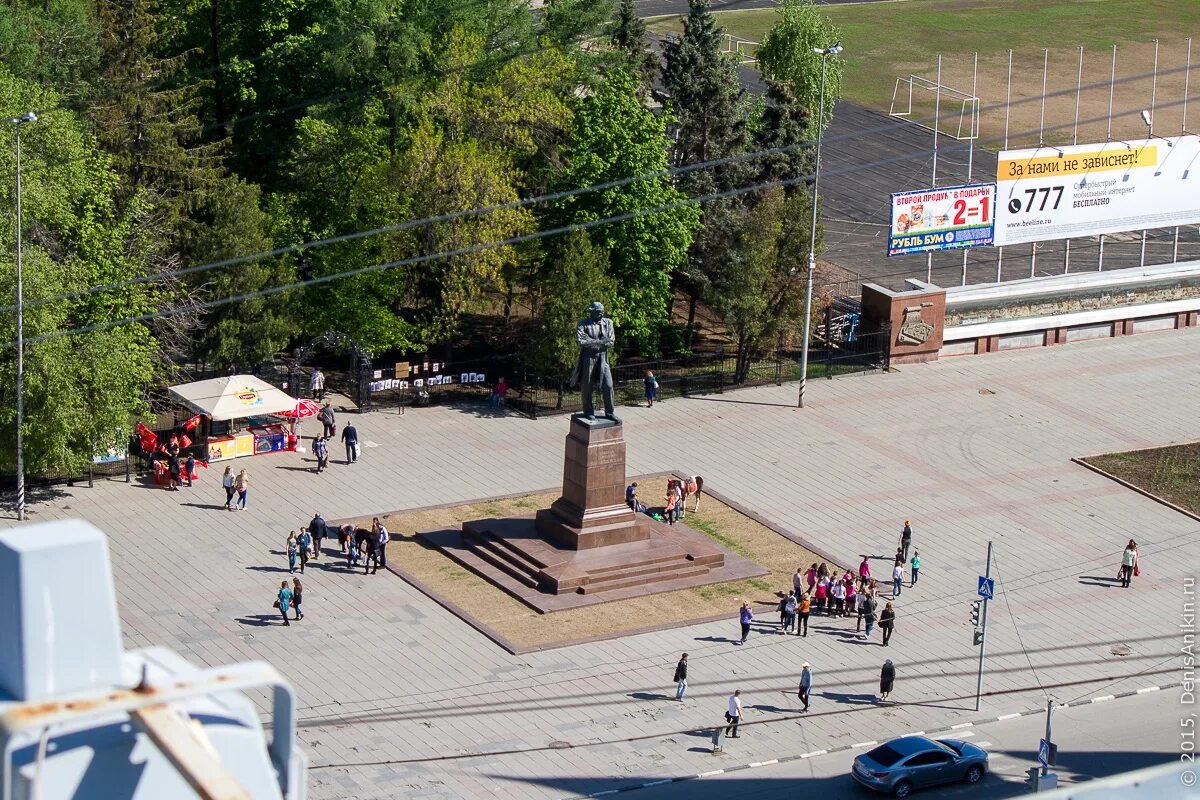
[361, 362]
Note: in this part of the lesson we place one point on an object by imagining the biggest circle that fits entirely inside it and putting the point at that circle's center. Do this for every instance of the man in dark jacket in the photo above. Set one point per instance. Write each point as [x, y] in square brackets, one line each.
[319, 530]
[350, 437]
[681, 677]
[327, 419]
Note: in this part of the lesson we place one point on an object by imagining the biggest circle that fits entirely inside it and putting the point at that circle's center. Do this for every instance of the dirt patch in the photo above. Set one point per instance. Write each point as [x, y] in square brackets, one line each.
[1171, 474]
[503, 617]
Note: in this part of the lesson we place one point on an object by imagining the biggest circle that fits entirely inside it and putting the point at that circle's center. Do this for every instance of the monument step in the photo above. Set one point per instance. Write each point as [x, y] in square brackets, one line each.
[647, 573]
[517, 572]
[649, 577]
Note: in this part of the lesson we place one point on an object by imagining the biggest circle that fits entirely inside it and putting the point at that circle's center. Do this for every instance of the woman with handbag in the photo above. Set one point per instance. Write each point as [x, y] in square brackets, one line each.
[1129, 564]
[297, 597]
[283, 601]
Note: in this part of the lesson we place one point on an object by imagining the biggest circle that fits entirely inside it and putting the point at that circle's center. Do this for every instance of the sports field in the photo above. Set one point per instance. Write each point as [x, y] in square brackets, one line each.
[887, 40]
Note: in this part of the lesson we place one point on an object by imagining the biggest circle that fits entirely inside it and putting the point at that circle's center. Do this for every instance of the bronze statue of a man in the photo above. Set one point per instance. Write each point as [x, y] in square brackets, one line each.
[595, 335]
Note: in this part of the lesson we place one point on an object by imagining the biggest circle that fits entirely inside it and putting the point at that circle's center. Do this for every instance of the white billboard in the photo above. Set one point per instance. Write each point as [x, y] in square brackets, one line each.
[1089, 189]
[942, 218]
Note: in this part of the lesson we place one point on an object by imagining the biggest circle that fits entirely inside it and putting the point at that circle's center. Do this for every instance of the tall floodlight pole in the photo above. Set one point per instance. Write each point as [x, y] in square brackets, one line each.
[812, 231]
[18, 122]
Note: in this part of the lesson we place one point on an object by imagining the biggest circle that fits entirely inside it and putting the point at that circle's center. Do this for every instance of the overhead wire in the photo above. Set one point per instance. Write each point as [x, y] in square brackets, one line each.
[551, 197]
[479, 247]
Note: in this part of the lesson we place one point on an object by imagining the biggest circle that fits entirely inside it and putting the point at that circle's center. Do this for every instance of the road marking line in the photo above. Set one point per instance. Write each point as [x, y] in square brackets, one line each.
[1102, 698]
[1148, 689]
[603, 794]
[966, 734]
[961, 725]
[754, 764]
[917, 733]
[1008, 716]
[656, 783]
[710, 773]
[814, 753]
[864, 744]
[983, 744]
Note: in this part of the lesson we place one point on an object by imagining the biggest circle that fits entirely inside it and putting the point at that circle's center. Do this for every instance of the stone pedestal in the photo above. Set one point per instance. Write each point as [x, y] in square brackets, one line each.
[592, 512]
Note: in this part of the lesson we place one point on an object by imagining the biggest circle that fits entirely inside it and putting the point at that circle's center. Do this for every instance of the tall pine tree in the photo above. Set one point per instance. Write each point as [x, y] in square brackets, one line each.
[706, 99]
[630, 39]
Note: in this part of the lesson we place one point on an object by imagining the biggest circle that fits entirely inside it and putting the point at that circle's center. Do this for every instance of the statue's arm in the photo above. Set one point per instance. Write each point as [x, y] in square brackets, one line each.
[586, 340]
[609, 337]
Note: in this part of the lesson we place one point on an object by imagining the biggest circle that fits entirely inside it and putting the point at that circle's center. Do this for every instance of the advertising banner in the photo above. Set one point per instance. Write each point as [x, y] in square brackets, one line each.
[943, 218]
[1085, 190]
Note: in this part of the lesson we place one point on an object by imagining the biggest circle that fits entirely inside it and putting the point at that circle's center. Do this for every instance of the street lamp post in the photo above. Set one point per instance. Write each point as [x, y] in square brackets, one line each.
[812, 232]
[29, 116]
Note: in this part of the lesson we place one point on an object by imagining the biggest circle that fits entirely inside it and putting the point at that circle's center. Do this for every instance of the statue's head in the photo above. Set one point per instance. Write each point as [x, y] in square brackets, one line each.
[596, 310]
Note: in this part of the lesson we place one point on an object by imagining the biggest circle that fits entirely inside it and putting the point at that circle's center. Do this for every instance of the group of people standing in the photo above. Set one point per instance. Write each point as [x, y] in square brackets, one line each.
[823, 592]
[674, 501]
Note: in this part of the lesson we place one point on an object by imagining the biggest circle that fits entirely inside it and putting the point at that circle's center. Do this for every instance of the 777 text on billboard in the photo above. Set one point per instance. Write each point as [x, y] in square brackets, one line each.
[942, 218]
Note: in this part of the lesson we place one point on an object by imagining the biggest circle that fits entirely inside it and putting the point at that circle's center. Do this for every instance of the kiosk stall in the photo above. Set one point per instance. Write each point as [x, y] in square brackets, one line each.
[229, 400]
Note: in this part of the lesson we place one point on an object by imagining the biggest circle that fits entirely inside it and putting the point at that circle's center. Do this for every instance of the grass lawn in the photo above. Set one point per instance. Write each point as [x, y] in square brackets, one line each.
[1172, 473]
[886, 40]
[525, 628]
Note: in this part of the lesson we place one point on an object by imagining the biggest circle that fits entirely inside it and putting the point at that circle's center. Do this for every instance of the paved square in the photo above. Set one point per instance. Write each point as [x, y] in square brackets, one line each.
[420, 705]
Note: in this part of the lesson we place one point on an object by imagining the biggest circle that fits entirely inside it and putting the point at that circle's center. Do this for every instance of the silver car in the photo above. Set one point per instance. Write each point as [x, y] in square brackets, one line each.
[912, 762]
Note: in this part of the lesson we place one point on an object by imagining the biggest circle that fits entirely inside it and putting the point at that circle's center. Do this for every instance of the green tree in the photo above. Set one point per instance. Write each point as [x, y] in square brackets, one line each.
[759, 290]
[53, 44]
[786, 55]
[630, 39]
[706, 97]
[577, 276]
[783, 124]
[616, 136]
[81, 391]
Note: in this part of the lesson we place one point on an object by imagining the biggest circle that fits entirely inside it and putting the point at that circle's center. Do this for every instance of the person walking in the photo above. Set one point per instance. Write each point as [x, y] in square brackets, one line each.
[670, 501]
[327, 419]
[681, 678]
[864, 591]
[887, 679]
[1129, 564]
[189, 468]
[381, 539]
[798, 582]
[316, 384]
[887, 619]
[297, 598]
[745, 617]
[319, 529]
[293, 551]
[810, 577]
[851, 597]
[802, 611]
[305, 542]
[321, 451]
[905, 540]
[790, 604]
[805, 690]
[651, 386]
[864, 570]
[897, 579]
[680, 501]
[733, 714]
[915, 567]
[869, 616]
[350, 437]
[283, 601]
[227, 484]
[354, 549]
[242, 485]
[499, 393]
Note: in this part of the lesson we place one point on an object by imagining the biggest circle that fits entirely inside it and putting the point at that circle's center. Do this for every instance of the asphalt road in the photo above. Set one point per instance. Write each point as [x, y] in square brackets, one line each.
[1093, 741]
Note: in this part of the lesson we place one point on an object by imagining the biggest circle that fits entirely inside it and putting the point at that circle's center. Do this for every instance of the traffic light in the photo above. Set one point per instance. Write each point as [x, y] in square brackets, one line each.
[975, 606]
[978, 636]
